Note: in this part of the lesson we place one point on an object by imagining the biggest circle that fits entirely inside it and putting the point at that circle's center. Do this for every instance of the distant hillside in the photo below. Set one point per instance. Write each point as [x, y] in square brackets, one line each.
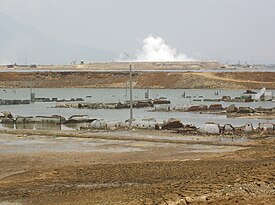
[18, 41]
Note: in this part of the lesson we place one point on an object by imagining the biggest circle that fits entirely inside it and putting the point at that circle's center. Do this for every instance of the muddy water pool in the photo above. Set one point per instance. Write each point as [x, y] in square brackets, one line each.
[116, 95]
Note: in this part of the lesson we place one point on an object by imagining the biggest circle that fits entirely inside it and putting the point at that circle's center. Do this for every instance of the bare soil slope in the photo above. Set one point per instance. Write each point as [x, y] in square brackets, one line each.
[191, 80]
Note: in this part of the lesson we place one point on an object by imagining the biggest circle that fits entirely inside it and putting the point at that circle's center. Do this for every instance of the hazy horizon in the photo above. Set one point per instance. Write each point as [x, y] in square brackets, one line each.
[222, 30]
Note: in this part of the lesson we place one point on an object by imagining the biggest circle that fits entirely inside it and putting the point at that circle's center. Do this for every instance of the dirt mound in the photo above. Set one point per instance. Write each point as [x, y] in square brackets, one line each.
[187, 80]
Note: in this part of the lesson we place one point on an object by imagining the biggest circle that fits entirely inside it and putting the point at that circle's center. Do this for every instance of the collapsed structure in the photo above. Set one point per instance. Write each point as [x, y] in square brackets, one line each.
[118, 105]
[148, 124]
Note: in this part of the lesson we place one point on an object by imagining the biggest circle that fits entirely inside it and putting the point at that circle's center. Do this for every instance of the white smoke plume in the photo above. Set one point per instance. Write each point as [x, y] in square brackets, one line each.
[156, 50]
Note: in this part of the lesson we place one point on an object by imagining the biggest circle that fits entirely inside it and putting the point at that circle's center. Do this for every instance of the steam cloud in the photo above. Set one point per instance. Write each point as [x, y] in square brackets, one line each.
[156, 50]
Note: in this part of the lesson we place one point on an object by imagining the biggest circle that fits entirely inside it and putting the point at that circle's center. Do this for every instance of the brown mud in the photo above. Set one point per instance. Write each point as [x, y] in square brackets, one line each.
[186, 80]
[157, 175]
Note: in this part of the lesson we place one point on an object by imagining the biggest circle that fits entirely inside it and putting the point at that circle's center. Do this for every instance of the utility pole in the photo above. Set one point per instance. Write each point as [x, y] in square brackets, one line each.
[126, 89]
[252, 61]
[147, 94]
[26, 60]
[131, 94]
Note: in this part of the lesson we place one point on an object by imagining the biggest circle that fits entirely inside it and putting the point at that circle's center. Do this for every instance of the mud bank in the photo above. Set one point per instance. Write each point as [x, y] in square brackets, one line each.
[177, 80]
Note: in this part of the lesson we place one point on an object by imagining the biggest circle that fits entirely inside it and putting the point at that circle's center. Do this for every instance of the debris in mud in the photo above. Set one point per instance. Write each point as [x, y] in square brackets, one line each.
[196, 108]
[187, 129]
[215, 107]
[232, 108]
[172, 123]
[244, 110]
[6, 114]
[87, 123]
[230, 111]
[119, 105]
[79, 119]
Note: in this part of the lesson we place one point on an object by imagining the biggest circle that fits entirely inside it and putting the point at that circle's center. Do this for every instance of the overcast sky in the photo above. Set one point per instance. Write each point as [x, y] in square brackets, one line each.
[223, 30]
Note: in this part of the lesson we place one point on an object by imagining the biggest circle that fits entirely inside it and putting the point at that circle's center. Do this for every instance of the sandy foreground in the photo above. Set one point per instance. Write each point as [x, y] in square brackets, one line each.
[135, 167]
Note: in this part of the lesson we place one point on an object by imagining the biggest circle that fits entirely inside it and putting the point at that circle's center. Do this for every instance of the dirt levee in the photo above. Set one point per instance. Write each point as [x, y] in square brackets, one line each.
[187, 80]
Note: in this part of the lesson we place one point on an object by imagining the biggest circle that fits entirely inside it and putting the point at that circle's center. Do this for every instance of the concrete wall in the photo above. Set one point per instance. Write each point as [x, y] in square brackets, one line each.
[143, 125]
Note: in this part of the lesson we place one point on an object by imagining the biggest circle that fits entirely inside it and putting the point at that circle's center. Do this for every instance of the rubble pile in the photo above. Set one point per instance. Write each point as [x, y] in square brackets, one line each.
[149, 124]
[118, 105]
[172, 123]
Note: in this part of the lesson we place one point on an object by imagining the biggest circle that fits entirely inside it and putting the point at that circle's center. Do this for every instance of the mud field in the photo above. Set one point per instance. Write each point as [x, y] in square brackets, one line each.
[135, 167]
[147, 167]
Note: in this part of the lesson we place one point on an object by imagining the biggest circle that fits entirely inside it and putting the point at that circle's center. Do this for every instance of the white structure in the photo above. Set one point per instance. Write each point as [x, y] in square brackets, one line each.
[212, 128]
[268, 96]
[265, 126]
[20, 119]
[144, 125]
[228, 128]
[248, 127]
[259, 95]
[113, 125]
[162, 107]
[79, 118]
[99, 124]
[262, 95]
[249, 94]
[47, 119]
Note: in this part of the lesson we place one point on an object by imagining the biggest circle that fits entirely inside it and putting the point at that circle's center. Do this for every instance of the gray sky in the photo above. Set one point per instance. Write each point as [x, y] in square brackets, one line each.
[224, 30]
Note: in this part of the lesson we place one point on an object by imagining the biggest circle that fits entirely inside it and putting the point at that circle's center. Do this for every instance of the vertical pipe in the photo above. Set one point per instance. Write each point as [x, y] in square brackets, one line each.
[126, 87]
[131, 94]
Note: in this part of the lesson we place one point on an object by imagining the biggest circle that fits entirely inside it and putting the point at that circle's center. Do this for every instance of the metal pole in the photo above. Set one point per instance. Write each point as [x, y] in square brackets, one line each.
[131, 94]
[126, 89]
